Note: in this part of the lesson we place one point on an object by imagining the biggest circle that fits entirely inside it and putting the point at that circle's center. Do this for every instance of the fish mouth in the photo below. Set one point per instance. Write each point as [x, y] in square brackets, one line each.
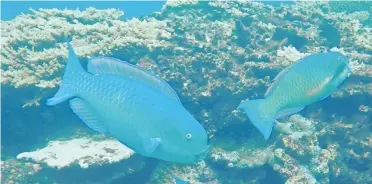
[202, 154]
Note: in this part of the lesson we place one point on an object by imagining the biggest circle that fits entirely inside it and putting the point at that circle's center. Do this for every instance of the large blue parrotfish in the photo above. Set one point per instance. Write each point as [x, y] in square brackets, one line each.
[309, 80]
[137, 108]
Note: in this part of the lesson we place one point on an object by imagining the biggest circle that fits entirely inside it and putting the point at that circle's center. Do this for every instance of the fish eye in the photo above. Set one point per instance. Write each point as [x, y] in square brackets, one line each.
[188, 136]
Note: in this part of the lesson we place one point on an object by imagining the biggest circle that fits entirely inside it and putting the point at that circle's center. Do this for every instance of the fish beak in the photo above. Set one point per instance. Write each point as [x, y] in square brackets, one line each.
[202, 154]
[200, 157]
[349, 69]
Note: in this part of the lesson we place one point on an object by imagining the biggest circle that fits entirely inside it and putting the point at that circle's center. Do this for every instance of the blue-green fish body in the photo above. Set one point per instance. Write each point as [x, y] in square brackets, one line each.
[139, 109]
[311, 79]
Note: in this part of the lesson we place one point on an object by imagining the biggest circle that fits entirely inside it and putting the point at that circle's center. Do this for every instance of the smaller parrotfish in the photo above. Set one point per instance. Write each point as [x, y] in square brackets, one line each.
[309, 80]
[134, 106]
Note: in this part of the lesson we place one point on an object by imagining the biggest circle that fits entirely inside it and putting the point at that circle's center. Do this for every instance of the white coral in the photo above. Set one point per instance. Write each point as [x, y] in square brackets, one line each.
[290, 54]
[364, 39]
[177, 3]
[296, 127]
[84, 151]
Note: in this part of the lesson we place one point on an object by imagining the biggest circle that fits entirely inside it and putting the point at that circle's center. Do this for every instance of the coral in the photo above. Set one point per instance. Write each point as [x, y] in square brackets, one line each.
[244, 158]
[176, 3]
[365, 39]
[291, 169]
[82, 151]
[289, 54]
[296, 127]
[299, 137]
[98, 160]
[197, 173]
[33, 53]
[14, 171]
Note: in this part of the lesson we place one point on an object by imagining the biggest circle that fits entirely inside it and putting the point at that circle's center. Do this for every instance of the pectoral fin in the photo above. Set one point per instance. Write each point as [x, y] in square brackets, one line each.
[88, 114]
[151, 144]
[319, 88]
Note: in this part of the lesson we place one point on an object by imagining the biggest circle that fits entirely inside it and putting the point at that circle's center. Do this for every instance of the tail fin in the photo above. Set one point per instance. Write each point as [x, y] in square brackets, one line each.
[260, 115]
[73, 65]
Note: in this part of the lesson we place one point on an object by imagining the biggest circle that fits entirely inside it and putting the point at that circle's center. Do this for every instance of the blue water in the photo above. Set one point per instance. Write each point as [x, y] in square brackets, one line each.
[214, 57]
[11, 9]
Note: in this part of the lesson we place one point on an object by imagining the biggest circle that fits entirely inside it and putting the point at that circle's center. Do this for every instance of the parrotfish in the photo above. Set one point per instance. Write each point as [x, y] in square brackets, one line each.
[132, 105]
[309, 80]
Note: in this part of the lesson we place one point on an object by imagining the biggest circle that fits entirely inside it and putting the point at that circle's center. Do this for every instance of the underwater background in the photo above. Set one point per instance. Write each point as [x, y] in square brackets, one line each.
[214, 54]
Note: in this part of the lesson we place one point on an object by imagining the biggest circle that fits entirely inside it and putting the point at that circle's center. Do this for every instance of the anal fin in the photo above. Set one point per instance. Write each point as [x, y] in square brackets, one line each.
[287, 112]
[126, 145]
[88, 114]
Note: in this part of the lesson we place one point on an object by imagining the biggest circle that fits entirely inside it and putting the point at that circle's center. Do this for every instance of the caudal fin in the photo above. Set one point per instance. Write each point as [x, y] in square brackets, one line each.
[261, 116]
[64, 92]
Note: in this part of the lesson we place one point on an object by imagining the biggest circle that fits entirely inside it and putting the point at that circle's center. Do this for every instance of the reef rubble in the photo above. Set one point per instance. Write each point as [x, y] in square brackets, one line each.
[93, 159]
[83, 151]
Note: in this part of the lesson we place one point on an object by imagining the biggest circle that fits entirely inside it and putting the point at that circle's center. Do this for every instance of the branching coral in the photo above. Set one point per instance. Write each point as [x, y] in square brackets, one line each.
[33, 53]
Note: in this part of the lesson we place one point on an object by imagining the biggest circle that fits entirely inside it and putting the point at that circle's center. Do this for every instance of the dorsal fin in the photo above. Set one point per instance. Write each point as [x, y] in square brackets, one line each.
[276, 79]
[73, 65]
[106, 65]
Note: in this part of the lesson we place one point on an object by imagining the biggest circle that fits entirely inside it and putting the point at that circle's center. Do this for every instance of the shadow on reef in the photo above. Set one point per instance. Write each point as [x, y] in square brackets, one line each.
[332, 105]
[261, 175]
[219, 105]
[133, 170]
[140, 177]
[293, 39]
[245, 36]
[34, 123]
[330, 33]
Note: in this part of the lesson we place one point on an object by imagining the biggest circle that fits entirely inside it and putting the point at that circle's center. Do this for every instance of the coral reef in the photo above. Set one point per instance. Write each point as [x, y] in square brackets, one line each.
[198, 173]
[214, 54]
